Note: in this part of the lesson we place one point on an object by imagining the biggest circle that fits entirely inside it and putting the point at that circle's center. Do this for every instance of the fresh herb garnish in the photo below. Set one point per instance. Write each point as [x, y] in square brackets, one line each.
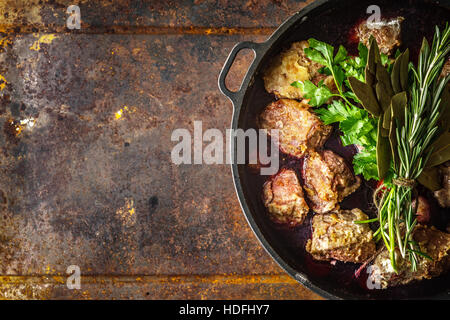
[340, 66]
[411, 124]
[354, 66]
[357, 126]
[405, 111]
[365, 163]
[416, 129]
[317, 95]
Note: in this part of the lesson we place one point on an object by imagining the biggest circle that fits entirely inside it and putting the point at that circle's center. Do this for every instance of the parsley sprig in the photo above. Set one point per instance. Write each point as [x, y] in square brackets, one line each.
[340, 66]
[357, 126]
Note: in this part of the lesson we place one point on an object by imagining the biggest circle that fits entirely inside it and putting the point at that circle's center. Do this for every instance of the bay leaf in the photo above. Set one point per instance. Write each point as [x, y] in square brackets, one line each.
[398, 106]
[383, 152]
[444, 118]
[395, 75]
[383, 77]
[374, 55]
[387, 118]
[383, 97]
[370, 77]
[365, 94]
[425, 48]
[440, 150]
[404, 70]
[376, 49]
[393, 140]
[430, 178]
[384, 132]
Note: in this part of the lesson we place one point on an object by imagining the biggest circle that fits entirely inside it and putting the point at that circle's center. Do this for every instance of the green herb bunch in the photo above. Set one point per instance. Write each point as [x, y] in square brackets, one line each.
[417, 134]
[356, 124]
[402, 129]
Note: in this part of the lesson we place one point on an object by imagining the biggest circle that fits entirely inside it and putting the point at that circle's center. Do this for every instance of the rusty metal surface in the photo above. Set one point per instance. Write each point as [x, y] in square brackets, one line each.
[156, 287]
[86, 179]
[108, 14]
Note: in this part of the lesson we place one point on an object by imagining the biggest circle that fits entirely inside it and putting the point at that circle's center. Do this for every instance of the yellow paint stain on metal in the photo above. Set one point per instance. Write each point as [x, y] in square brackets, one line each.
[233, 279]
[18, 127]
[47, 269]
[86, 294]
[127, 212]
[42, 286]
[6, 29]
[248, 279]
[47, 39]
[59, 279]
[121, 112]
[3, 82]
[5, 41]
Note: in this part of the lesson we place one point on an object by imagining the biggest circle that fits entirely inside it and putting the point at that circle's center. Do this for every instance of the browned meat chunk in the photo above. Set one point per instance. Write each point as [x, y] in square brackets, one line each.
[432, 242]
[443, 195]
[292, 65]
[299, 128]
[336, 236]
[445, 69]
[423, 212]
[328, 180]
[283, 197]
[385, 32]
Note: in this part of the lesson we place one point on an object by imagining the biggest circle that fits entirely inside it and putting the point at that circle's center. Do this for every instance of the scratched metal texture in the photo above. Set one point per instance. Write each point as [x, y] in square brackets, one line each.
[86, 118]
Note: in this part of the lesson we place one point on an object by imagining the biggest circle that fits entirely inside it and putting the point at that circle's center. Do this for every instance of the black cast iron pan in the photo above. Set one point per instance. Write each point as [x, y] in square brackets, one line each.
[329, 21]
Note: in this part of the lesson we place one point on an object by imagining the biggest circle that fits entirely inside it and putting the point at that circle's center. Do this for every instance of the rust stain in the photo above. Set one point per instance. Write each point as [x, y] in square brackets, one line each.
[89, 174]
[150, 30]
[12, 128]
[208, 279]
[235, 279]
[15, 127]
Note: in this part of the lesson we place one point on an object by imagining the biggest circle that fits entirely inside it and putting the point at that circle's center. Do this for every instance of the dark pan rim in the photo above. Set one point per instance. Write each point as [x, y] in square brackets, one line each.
[263, 47]
[260, 50]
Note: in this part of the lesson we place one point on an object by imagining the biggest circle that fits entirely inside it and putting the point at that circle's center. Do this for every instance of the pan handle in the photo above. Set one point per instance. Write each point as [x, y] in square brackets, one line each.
[233, 96]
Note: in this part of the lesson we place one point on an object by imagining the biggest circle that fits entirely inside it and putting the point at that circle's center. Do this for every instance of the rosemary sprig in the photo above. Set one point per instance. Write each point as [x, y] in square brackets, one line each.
[414, 136]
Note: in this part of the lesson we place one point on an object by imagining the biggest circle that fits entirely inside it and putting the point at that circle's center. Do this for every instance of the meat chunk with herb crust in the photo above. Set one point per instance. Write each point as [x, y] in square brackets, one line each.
[299, 128]
[283, 197]
[443, 195]
[328, 180]
[336, 236]
[289, 66]
[445, 69]
[423, 211]
[432, 242]
[385, 32]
